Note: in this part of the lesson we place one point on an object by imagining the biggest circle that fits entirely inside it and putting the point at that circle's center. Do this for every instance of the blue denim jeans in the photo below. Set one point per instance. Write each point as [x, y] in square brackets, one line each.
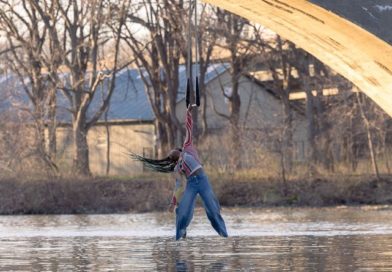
[198, 184]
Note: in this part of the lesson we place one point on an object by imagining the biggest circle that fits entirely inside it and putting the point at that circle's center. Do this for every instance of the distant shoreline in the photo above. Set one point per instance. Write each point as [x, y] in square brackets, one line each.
[106, 195]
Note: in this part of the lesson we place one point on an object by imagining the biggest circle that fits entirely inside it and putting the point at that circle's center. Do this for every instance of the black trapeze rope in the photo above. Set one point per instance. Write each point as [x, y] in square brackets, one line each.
[189, 82]
[197, 58]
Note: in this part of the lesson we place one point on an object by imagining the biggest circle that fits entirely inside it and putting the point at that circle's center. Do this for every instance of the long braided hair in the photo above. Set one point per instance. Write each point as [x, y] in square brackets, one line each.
[165, 165]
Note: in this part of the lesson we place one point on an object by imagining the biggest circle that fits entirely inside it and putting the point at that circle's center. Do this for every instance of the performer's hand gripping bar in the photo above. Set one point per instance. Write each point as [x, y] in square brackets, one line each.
[188, 93]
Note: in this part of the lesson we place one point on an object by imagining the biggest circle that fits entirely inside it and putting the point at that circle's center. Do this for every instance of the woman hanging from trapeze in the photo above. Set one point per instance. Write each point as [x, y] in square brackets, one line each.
[185, 162]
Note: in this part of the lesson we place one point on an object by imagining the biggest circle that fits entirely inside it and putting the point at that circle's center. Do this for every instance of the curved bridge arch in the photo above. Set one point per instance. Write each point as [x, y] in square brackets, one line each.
[353, 52]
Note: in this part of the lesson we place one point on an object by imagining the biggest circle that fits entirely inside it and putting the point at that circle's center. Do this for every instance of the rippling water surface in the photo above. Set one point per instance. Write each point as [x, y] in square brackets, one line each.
[281, 239]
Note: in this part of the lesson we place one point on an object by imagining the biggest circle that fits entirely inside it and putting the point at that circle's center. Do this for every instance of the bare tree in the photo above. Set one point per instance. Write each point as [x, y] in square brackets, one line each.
[158, 57]
[369, 137]
[26, 44]
[279, 58]
[206, 42]
[231, 30]
[78, 29]
[303, 60]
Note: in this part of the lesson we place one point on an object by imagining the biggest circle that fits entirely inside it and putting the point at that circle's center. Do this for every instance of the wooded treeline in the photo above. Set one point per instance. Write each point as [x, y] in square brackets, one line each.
[53, 47]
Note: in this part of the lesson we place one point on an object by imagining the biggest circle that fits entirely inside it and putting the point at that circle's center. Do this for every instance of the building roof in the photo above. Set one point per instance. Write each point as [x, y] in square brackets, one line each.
[129, 101]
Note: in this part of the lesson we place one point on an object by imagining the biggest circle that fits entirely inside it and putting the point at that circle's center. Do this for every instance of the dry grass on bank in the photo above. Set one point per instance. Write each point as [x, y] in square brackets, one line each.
[75, 196]
[152, 192]
[260, 187]
[306, 192]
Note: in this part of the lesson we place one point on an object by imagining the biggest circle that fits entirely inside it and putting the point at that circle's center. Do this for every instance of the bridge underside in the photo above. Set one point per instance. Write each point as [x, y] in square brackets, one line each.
[356, 54]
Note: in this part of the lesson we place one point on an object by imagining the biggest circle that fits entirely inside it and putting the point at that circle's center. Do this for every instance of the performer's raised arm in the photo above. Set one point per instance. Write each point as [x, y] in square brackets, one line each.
[188, 127]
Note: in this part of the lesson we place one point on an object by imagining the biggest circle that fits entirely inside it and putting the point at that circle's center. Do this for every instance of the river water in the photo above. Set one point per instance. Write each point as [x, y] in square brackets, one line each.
[278, 239]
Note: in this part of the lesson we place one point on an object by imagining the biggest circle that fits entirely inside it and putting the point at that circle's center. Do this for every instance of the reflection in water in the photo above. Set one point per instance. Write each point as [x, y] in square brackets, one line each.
[275, 254]
[329, 239]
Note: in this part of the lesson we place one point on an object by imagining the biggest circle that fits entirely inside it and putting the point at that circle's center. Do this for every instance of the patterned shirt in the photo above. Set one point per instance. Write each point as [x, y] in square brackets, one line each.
[189, 160]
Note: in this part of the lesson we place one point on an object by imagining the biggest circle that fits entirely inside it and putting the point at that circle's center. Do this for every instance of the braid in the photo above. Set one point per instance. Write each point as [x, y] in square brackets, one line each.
[165, 165]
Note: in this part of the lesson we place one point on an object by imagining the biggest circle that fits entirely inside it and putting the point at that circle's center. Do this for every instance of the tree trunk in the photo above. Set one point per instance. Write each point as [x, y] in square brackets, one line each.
[351, 151]
[387, 158]
[287, 141]
[107, 130]
[81, 163]
[386, 155]
[372, 151]
[235, 107]
[204, 124]
[40, 139]
[40, 126]
[52, 126]
[310, 126]
[162, 139]
[235, 157]
[319, 127]
[171, 136]
[287, 134]
[369, 138]
[283, 172]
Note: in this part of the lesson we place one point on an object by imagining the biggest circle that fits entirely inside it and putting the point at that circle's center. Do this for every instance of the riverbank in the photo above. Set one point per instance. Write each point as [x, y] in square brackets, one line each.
[114, 195]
